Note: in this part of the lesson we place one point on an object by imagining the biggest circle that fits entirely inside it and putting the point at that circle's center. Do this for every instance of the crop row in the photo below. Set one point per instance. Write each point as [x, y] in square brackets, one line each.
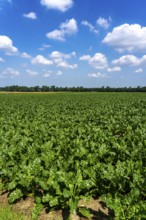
[61, 148]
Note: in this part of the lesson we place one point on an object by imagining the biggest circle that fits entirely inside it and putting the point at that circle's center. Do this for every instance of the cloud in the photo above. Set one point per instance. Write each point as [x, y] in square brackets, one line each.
[90, 26]
[1, 59]
[44, 47]
[130, 60]
[140, 70]
[104, 23]
[31, 73]
[57, 56]
[65, 65]
[60, 59]
[56, 35]
[30, 15]
[85, 57]
[114, 69]
[98, 61]
[61, 5]
[25, 55]
[59, 72]
[67, 28]
[10, 72]
[98, 75]
[47, 73]
[127, 37]
[6, 45]
[39, 59]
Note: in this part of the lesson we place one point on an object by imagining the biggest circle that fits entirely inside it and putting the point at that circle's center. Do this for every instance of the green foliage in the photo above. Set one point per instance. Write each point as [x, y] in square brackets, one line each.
[15, 195]
[36, 210]
[85, 212]
[61, 148]
[128, 206]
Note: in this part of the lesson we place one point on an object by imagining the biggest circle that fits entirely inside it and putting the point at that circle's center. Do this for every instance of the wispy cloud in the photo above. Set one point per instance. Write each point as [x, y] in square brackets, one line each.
[90, 26]
[44, 47]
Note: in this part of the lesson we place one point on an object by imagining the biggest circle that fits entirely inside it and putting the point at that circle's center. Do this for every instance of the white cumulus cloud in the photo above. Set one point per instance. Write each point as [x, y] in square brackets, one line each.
[127, 37]
[98, 61]
[140, 70]
[85, 57]
[11, 72]
[30, 15]
[65, 65]
[60, 59]
[39, 59]
[47, 73]
[57, 55]
[61, 5]
[130, 60]
[56, 35]
[25, 55]
[114, 69]
[104, 23]
[6, 45]
[67, 28]
[98, 75]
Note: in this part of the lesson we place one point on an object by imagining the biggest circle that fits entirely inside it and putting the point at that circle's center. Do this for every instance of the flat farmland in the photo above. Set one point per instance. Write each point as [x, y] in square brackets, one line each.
[63, 148]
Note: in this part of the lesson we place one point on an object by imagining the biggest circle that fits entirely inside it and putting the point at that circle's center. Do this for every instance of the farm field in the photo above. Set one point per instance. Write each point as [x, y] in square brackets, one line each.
[63, 148]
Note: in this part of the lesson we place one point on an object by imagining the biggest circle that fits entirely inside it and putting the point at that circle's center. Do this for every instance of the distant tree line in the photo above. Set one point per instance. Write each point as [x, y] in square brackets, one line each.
[16, 88]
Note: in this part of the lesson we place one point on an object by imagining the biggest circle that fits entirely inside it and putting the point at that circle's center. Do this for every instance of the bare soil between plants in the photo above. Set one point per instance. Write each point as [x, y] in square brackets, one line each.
[25, 206]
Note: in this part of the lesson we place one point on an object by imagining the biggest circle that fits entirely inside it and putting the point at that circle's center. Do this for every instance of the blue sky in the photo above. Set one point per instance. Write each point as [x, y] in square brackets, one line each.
[90, 43]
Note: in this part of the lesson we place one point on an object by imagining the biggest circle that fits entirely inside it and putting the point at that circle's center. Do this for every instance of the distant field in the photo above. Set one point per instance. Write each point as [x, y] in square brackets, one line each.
[63, 148]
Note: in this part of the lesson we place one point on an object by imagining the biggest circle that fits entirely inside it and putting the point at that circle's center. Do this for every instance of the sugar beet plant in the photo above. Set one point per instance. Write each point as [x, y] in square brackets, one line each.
[61, 148]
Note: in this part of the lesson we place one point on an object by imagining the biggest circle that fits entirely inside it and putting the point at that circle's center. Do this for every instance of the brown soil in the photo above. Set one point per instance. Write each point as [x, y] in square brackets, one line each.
[96, 207]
